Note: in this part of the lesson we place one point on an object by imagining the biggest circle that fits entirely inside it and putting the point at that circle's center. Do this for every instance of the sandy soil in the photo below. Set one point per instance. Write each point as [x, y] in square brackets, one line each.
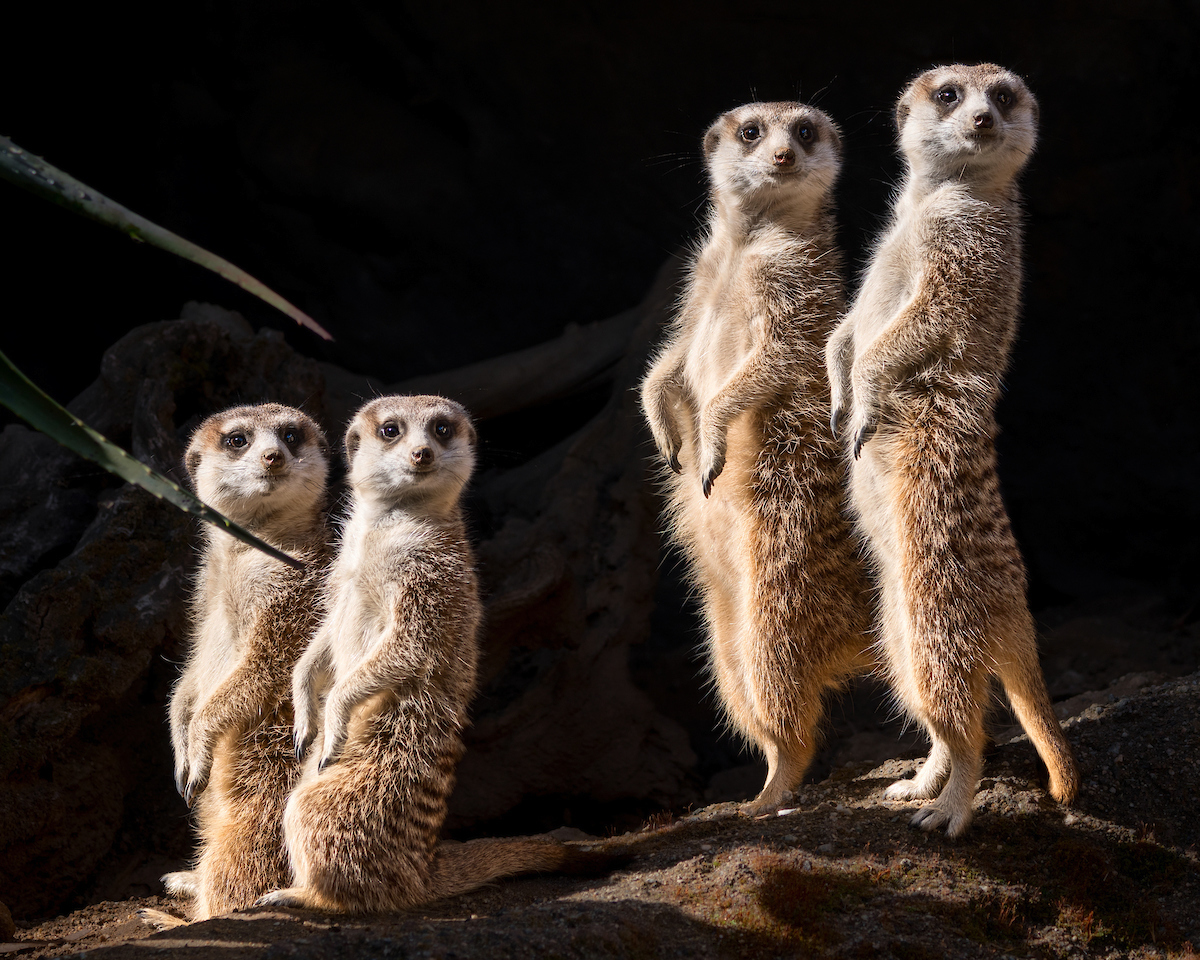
[839, 873]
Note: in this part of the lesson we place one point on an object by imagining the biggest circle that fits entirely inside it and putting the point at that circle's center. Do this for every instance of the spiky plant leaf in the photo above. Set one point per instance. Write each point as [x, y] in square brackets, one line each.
[21, 396]
[37, 176]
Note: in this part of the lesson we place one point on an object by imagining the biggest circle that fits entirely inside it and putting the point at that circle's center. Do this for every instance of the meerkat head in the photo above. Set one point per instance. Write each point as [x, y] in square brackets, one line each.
[414, 452]
[961, 121]
[258, 464]
[771, 157]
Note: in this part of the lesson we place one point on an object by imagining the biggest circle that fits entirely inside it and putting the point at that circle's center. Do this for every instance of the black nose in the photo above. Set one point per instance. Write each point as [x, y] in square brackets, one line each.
[271, 456]
[422, 455]
[984, 121]
[785, 157]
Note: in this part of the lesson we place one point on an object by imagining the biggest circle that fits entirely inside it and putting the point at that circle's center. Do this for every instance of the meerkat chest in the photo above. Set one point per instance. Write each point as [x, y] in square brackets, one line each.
[724, 323]
[892, 279]
[366, 587]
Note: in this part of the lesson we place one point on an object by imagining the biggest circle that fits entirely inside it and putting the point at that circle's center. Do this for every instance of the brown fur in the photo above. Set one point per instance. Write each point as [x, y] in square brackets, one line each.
[231, 712]
[395, 661]
[738, 403]
[916, 366]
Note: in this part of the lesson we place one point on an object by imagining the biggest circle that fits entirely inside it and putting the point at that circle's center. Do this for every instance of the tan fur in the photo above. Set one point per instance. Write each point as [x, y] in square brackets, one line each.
[916, 368]
[737, 401]
[265, 468]
[394, 663]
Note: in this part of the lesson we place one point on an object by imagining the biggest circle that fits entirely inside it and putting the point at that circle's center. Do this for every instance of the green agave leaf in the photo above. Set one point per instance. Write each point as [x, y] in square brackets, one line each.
[37, 176]
[21, 396]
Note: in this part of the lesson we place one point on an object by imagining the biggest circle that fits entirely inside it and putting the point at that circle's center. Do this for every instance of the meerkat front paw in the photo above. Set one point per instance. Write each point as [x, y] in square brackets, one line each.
[199, 765]
[335, 740]
[712, 463]
[181, 775]
[668, 444]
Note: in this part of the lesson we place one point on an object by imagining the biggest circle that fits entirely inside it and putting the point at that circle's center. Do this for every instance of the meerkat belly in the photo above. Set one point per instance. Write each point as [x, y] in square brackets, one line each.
[722, 521]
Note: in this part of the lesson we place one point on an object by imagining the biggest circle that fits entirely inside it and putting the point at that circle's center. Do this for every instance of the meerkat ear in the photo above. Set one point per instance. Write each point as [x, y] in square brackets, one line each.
[472, 436]
[191, 463]
[353, 439]
[713, 136]
[322, 441]
[835, 137]
[903, 109]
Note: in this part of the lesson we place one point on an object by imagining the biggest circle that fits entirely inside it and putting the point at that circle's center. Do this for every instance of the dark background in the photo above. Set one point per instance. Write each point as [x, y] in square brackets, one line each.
[441, 185]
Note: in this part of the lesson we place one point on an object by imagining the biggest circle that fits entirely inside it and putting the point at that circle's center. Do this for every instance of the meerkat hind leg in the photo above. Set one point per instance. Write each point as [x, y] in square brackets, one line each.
[786, 765]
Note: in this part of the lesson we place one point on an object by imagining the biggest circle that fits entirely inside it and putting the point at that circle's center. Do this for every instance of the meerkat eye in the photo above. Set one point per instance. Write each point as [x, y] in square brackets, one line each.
[805, 133]
[389, 431]
[948, 95]
[750, 132]
[237, 440]
[1004, 97]
[443, 431]
[291, 436]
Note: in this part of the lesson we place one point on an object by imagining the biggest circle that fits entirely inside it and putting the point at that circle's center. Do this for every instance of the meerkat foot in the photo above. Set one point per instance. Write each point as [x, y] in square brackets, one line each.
[160, 919]
[288, 897]
[952, 808]
[767, 802]
[181, 883]
[928, 779]
[939, 814]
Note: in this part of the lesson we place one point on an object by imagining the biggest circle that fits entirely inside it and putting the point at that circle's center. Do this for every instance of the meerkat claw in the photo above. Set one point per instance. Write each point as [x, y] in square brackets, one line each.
[865, 434]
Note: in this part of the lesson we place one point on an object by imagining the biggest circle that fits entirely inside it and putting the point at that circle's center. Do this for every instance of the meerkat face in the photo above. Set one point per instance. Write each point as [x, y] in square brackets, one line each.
[411, 451]
[772, 153]
[259, 461]
[957, 120]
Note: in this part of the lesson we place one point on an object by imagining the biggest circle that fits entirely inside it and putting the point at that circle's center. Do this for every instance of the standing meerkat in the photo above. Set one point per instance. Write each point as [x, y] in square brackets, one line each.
[738, 403]
[393, 669]
[265, 468]
[915, 370]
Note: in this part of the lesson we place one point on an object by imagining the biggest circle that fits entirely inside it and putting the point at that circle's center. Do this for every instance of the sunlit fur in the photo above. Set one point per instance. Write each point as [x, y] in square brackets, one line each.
[252, 616]
[382, 692]
[915, 370]
[738, 403]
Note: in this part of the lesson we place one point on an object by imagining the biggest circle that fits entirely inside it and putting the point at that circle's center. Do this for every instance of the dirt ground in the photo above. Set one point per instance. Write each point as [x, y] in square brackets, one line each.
[837, 873]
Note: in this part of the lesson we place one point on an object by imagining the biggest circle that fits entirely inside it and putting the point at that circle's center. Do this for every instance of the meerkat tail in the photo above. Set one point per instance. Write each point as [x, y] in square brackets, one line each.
[1031, 703]
[462, 867]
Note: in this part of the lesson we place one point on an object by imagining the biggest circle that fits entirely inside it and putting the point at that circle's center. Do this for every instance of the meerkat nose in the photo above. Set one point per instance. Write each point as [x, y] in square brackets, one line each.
[422, 455]
[984, 121]
[785, 157]
[271, 457]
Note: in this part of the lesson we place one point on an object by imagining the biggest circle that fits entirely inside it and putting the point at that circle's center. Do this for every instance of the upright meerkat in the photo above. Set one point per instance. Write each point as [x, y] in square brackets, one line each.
[265, 468]
[915, 370]
[393, 669]
[737, 400]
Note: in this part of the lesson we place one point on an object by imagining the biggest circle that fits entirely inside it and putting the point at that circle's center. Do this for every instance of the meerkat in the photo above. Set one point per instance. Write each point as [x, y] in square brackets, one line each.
[265, 468]
[915, 369]
[382, 692]
[737, 401]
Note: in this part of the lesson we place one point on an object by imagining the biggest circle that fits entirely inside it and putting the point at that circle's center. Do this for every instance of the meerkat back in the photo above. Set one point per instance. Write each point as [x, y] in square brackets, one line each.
[738, 406]
[264, 467]
[915, 370]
